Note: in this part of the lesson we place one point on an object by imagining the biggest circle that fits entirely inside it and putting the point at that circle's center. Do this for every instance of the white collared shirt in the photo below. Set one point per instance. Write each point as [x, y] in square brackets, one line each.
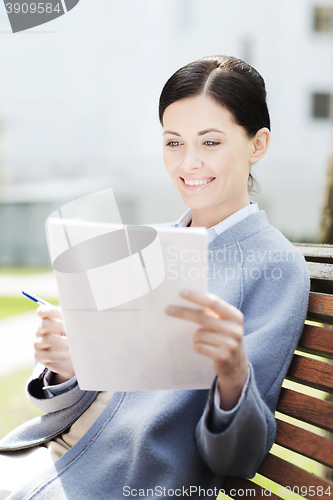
[214, 231]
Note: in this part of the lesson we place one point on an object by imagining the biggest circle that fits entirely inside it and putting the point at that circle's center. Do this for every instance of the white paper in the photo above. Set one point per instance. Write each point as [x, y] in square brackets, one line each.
[119, 335]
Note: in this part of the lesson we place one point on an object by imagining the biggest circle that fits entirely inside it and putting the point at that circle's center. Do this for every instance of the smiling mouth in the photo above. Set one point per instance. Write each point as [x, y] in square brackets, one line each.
[197, 182]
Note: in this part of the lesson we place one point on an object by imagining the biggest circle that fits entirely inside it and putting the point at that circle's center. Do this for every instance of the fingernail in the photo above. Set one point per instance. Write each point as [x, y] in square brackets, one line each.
[170, 309]
[185, 293]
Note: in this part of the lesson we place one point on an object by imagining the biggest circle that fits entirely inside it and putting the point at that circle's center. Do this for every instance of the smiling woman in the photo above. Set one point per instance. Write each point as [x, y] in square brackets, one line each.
[213, 162]
[216, 124]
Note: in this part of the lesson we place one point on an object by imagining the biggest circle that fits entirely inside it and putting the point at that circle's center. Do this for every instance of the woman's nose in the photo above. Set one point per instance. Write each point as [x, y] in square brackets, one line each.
[191, 159]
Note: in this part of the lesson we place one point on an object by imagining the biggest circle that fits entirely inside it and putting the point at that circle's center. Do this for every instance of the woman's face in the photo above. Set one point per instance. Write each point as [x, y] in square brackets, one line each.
[203, 143]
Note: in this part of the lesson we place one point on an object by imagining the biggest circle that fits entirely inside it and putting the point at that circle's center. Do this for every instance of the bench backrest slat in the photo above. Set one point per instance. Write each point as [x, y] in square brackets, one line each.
[321, 303]
[289, 474]
[305, 442]
[295, 404]
[312, 373]
[306, 408]
[316, 253]
[316, 340]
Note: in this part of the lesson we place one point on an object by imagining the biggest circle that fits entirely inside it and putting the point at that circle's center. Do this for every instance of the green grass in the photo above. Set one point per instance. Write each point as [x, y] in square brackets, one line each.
[9, 306]
[15, 408]
[24, 270]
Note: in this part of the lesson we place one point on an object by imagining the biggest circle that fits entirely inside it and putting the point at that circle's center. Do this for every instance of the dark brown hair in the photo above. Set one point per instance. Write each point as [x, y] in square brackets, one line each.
[232, 82]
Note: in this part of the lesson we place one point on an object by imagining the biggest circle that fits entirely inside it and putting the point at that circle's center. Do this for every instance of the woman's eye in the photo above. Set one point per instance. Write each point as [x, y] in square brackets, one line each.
[211, 143]
[173, 144]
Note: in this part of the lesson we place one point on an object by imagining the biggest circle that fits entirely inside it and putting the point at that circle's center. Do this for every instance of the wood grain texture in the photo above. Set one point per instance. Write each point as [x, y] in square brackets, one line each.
[319, 270]
[311, 372]
[306, 408]
[306, 443]
[320, 307]
[316, 253]
[320, 303]
[288, 474]
[316, 340]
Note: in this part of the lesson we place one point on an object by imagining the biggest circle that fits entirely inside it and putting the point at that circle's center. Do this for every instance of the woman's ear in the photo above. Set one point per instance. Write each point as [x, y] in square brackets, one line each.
[260, 144]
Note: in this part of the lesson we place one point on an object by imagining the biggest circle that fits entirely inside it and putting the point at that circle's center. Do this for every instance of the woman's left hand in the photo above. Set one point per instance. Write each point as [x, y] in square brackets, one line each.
[220, 338]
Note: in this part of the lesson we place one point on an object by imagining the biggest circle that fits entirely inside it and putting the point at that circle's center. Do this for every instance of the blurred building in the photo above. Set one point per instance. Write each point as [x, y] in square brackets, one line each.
[79, 108]
[24, 209]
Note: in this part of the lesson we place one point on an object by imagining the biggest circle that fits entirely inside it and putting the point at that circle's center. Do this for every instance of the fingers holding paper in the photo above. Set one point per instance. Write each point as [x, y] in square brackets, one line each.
[220, 337]
[51, 320]
[51, 345]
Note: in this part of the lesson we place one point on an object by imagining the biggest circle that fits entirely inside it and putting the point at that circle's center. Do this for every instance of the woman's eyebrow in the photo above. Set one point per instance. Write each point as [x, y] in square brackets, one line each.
[170, 132]
[202, 132]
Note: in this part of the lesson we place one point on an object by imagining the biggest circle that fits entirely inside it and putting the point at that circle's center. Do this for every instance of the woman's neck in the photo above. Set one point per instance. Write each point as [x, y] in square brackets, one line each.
[211, 216]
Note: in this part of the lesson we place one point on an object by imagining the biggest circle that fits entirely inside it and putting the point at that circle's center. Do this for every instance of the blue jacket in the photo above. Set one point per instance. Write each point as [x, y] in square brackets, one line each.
[164, 443]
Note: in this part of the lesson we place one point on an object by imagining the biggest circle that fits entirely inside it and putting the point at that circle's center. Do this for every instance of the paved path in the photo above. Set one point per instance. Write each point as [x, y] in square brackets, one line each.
[17, 333]
[43, 284]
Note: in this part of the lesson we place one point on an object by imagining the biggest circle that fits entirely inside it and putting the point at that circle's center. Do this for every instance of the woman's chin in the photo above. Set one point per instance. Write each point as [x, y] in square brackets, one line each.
[197, 204]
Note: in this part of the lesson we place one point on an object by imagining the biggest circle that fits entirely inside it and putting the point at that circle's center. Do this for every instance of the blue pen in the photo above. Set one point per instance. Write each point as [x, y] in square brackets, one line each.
[35, 298]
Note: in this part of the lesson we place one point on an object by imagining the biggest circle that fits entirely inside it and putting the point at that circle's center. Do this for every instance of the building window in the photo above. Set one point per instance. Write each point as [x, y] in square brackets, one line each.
[323, 19]
[321, 105]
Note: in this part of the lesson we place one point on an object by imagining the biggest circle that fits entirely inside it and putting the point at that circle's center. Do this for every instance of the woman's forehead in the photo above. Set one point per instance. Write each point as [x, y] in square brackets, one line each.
[202, 111]
[198, 115]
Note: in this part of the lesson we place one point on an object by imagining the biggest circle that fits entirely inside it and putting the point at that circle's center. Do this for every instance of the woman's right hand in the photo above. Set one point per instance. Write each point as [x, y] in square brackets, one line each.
[51, 345]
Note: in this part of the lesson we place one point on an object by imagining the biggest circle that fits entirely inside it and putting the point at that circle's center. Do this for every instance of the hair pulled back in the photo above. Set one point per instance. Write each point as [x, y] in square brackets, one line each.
[230, 81]
[233, 84]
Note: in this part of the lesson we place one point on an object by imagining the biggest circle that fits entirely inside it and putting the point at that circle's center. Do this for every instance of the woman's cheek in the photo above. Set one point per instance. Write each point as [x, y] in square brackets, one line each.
[168, 159]
[172, 161]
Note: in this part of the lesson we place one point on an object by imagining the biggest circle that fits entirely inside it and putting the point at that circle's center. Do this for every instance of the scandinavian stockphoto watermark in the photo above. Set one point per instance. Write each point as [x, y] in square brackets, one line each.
[227, 264]
[26, 14]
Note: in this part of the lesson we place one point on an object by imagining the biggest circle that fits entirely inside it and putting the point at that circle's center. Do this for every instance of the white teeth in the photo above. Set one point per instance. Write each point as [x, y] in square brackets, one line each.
[197, 182]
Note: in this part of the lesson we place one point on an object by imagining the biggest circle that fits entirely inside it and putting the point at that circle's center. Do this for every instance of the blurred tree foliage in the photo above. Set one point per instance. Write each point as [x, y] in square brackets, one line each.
[326, 227]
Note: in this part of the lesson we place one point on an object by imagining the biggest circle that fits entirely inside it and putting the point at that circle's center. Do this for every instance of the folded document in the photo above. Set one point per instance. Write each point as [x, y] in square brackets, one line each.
[114, 283]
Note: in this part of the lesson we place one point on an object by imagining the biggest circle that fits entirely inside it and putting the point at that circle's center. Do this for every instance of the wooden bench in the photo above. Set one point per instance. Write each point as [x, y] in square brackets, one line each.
[310, 371]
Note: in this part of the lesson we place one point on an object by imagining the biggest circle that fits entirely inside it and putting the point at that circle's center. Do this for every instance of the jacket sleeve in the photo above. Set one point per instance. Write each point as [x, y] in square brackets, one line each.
[274, 309]
[46, 400]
